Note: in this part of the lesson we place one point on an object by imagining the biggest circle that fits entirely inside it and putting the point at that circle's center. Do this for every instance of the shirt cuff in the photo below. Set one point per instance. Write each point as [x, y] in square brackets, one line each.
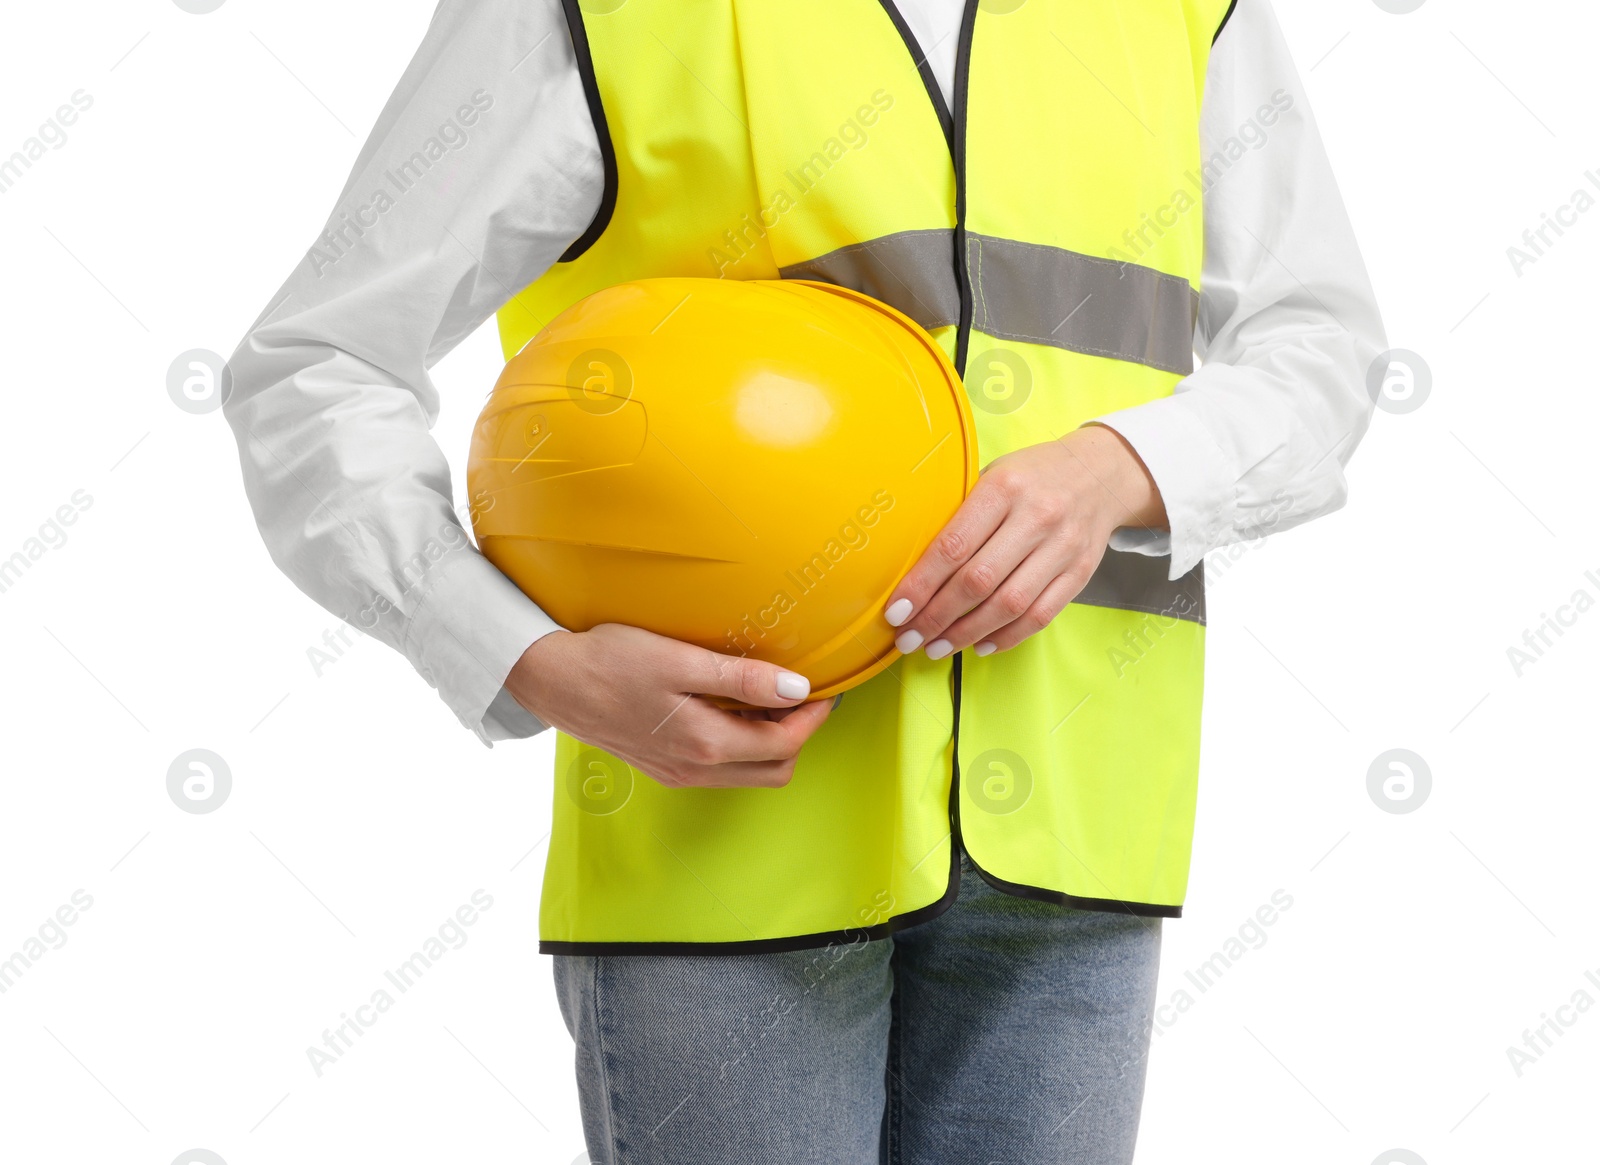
[508, 720]
[1193, 475]
[469, 629]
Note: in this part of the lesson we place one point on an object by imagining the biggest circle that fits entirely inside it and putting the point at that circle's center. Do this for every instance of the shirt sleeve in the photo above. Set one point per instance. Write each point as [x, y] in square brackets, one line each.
[1256, 440]
[482, 169]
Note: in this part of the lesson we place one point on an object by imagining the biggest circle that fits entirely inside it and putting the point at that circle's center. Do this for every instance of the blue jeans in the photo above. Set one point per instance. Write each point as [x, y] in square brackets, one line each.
[1005, 1030]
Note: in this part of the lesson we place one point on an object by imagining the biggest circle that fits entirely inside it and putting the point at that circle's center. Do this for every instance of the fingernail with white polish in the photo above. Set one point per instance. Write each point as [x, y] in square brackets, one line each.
[899, 611]
[792, 686]
[908, 642]
[939, 648]
[986, 648]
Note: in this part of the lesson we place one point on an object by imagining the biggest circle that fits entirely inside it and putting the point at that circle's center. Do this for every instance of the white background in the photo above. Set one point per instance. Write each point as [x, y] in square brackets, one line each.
[220, 946]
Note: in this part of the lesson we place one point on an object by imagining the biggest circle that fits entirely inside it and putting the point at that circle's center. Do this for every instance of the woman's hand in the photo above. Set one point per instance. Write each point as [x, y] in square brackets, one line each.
[1023, 544]
[641, 697]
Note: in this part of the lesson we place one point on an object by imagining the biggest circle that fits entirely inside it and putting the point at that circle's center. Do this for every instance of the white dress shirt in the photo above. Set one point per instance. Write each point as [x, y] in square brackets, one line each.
[331, 401]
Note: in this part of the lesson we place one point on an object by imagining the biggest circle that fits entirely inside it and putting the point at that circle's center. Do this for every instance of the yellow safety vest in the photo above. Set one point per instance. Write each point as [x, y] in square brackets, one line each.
[1048, 232]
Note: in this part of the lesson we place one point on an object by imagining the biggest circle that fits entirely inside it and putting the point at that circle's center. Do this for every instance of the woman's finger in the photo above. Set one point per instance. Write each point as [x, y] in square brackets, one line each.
[1011, 601]
[972, 585]
[979, 517]
[1039, 615]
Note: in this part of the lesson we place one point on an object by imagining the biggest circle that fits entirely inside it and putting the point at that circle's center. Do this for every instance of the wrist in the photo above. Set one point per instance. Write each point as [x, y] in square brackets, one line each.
[1128, 491]
[542, 672]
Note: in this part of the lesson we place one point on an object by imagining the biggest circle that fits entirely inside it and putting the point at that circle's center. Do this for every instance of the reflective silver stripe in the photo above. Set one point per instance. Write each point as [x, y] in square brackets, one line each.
[1026, 292]
[1138, 582]
[913, 272]
[1045, 295]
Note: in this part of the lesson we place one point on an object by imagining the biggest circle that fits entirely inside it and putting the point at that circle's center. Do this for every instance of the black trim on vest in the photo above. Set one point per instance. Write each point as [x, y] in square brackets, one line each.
[608, 153]
[775, 946]
[956, 840]
[929, 81]
[1057, 898]
[958, 156]
[1226, 16]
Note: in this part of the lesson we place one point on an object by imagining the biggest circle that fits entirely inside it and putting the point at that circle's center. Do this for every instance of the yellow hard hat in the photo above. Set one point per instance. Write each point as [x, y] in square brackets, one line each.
[750, 466]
